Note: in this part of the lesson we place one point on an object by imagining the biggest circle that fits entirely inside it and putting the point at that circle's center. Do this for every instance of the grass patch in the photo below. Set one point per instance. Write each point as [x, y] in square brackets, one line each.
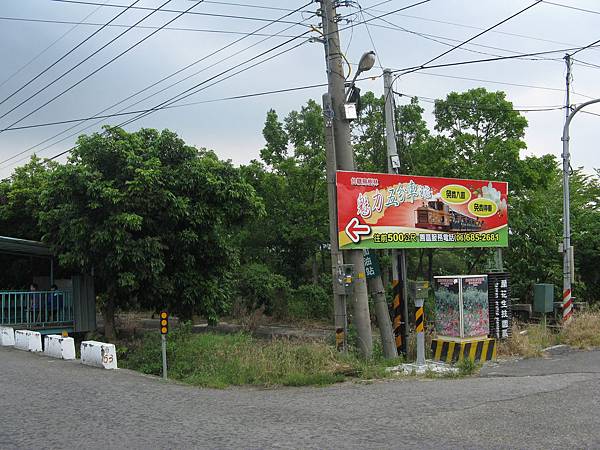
[583, 331]
[529, 340]
[218, 361]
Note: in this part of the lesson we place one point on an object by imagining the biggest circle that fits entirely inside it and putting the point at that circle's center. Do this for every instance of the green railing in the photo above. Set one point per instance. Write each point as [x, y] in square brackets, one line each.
[36, 309]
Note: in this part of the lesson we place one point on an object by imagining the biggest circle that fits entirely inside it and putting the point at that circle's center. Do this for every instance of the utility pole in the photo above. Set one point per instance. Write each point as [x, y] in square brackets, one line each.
[566, 247]
[345, 161]
[383, 317]
[399, 283]
[337, 261]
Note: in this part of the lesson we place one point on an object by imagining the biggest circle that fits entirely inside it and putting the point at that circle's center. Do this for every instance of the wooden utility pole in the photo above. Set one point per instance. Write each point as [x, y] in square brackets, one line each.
[345, 161]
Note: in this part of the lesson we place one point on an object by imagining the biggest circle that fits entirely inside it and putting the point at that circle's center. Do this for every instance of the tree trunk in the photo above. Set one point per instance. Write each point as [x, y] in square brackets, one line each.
[108, 312]
[385, 270]
[383, 318]
[315, 269]
[430, 265]
[419, 271]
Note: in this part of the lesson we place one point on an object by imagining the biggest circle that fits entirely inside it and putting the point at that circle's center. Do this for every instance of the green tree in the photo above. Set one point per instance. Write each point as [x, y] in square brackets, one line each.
[152, 218]
[370, 145]
[482, 135]
[291, 180]
[19, 199]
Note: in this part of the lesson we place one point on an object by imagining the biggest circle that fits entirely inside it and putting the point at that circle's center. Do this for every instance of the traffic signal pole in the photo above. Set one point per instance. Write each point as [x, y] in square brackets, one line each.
[345, 161]
[164, 329]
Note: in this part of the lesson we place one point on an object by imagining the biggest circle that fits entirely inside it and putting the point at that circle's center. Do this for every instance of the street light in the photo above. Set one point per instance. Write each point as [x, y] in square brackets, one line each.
[567, 302]
[352, 104]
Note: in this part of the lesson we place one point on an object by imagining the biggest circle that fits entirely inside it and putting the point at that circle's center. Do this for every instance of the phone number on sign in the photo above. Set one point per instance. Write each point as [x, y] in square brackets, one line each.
[435, 237]
[478, 237]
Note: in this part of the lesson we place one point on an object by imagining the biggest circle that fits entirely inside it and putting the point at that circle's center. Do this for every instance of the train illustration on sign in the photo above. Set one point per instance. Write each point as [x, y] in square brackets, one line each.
[436, 215]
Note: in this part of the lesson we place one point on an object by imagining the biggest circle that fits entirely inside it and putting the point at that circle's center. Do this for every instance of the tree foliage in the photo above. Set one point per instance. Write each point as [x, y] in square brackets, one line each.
[152, 219]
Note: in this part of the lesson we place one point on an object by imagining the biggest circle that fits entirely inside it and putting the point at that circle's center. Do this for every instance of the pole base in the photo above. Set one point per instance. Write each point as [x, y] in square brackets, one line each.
[449, 351]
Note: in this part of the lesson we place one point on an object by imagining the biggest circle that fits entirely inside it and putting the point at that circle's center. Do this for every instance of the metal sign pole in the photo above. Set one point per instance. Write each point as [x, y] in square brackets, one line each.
[164, 355]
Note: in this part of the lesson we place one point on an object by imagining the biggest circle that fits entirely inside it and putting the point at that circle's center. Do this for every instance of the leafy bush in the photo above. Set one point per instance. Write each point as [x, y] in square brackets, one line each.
[310, 301]
[259, 287]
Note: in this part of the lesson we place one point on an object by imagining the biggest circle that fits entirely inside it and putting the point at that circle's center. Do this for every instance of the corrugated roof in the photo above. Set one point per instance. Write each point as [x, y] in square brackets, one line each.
[23, 247]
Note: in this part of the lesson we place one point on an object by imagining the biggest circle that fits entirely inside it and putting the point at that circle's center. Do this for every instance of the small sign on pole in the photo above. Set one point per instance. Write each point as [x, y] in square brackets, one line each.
[164, 329]
[372, 269]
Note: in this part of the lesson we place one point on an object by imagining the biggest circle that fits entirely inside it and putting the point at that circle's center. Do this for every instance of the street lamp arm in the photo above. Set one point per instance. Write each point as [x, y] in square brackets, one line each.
[575, 111]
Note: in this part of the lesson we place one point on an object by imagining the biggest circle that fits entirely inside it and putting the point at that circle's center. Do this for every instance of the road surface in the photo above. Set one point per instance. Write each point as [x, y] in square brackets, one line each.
[544, 403]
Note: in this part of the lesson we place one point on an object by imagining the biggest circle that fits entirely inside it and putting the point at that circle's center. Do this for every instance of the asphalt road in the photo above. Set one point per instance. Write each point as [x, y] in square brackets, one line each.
[552, 403]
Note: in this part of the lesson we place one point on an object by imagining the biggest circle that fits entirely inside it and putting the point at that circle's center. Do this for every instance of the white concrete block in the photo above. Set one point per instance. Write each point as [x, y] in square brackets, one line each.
[57, 346]
[99, 354]
[30, 341]
[7, 336]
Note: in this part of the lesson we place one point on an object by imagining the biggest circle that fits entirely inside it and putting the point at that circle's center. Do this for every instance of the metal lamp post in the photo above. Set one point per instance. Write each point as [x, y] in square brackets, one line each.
[567, 302]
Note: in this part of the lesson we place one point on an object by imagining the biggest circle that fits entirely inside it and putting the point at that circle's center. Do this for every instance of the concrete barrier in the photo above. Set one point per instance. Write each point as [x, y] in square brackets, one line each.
[7, 336]
[98, 354]
[30, 341]
[57, 346]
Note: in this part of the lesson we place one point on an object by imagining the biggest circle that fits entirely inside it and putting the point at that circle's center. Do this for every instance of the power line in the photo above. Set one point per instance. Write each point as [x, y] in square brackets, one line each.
[586, 64]
[531, 86]
[68, 53]
[196, 13]
[173, 106]
[382, 15]
[436, 38]
[255, 32]
[369, 33]
[435, 58]
[195, 89]
[572, 7]
[586, 47]
[141, 27]
[243, 96]
[52, 44]
[64, 91]
[272, 8]
[198, 87]
[472, 27]
[470, 105]
[483, 60]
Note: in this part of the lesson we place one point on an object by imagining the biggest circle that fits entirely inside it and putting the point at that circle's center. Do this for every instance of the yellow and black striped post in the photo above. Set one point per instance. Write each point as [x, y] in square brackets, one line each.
[420, 330]
[399, 323]
[419, 320]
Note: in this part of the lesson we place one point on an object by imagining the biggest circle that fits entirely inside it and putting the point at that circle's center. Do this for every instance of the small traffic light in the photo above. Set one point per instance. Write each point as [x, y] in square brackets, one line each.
[164, 322]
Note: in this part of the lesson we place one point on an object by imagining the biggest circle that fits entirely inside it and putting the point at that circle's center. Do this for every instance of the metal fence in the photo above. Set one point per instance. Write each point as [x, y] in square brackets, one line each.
[36, 308]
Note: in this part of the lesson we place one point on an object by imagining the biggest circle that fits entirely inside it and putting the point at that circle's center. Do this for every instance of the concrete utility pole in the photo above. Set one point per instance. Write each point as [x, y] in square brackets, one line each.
[567, 303]
[398, 257]
[383, 317]
[345, 161]
[337, 261]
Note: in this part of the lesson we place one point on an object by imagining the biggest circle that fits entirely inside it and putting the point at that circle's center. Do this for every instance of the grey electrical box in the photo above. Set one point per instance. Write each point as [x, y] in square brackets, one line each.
[543, 298]
[418, 289]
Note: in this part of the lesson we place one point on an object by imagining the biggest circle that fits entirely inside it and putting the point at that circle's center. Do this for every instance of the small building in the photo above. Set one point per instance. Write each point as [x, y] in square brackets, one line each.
[42, 302]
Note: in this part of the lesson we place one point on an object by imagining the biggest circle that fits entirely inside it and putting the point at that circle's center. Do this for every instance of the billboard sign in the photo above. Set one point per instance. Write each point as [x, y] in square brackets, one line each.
[378, 210]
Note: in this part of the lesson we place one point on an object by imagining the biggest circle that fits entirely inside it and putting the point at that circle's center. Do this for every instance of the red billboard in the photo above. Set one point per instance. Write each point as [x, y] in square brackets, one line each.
[378, 210]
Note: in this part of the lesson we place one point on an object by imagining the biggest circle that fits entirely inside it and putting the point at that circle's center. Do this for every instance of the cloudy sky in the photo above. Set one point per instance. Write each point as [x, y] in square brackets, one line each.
[36, 33]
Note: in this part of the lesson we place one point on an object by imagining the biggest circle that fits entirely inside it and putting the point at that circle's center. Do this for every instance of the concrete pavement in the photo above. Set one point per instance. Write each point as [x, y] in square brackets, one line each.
[552, 403]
